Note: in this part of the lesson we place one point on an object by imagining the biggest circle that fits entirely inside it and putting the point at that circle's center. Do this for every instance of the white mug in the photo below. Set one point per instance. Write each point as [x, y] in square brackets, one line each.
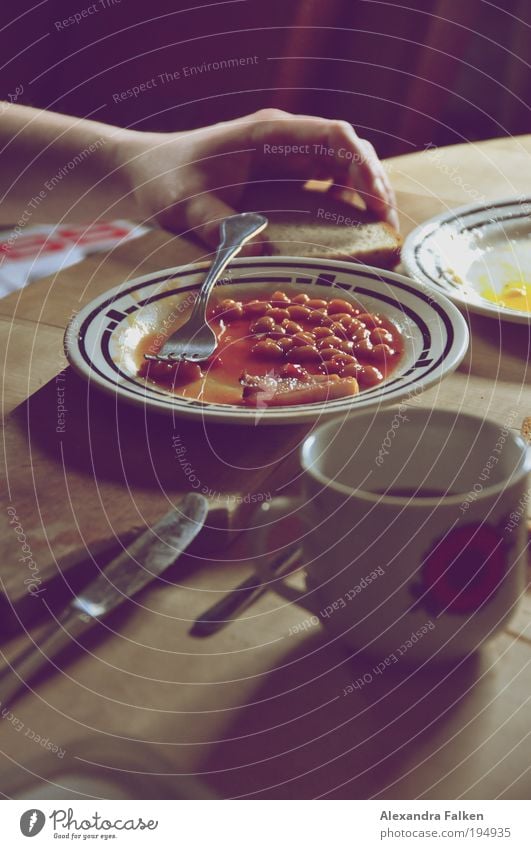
[407, 577]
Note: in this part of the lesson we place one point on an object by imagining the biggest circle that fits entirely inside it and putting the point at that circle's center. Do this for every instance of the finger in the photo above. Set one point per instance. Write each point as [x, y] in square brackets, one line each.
[393, 216]
[309, 147]
[368, 176]
[380, 171]
[203, 216]
[358, 165]
[389, 187]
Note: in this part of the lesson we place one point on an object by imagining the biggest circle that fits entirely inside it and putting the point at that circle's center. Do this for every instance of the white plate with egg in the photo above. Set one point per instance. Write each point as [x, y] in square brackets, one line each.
[479, 256]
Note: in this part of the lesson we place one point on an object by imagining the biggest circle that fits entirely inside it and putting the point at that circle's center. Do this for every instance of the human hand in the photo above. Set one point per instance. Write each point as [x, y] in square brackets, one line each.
[191, 181]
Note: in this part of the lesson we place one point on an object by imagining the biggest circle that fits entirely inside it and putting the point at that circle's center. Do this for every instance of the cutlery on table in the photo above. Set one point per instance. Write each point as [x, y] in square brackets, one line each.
[224, 611]
[26, 610]
[195, 340]
[133, 569]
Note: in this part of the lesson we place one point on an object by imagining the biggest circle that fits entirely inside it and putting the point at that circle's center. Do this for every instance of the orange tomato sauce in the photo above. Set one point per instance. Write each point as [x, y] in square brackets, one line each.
[353, 349]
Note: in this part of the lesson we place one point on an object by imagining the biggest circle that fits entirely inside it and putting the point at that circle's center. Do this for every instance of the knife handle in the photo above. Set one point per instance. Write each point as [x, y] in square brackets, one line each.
[36, 658]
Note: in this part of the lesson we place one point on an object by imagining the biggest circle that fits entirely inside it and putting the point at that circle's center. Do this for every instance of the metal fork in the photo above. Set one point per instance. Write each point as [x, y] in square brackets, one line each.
[195, 340]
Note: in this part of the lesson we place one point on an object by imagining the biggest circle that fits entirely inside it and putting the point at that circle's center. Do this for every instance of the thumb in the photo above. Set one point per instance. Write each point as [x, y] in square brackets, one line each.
[204, 214]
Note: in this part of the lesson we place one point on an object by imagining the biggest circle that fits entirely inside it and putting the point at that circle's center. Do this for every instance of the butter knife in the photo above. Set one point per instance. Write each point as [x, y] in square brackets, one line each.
[128, 573]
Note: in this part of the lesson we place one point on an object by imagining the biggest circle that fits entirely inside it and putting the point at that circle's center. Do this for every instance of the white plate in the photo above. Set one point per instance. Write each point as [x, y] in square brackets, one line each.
[465, 251]
[101, 340]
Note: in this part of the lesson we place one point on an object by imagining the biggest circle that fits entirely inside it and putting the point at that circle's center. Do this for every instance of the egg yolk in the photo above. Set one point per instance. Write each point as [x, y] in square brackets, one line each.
[515, 295]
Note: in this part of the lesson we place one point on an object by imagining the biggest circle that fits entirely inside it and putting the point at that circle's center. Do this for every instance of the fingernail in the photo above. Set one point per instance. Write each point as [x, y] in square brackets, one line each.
[392, 217]
[379, 187]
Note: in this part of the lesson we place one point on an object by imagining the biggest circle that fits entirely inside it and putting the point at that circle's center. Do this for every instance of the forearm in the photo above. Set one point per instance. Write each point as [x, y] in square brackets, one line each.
[56, 166]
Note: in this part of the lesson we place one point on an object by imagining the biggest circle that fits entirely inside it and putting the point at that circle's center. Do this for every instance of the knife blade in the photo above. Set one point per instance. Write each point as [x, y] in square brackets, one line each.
[132, 570]
[146, 558]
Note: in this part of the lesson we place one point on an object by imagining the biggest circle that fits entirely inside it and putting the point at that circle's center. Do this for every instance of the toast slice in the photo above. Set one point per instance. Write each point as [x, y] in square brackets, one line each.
[308, 223]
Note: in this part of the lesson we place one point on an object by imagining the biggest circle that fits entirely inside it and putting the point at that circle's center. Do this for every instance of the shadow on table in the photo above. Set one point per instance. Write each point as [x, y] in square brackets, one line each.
[99, 770]
[300, 737]
[102, 436]
[499, 350]
[85, 469]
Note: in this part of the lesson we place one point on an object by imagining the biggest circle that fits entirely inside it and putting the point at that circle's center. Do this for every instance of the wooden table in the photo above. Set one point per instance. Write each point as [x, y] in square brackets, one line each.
[254, 710]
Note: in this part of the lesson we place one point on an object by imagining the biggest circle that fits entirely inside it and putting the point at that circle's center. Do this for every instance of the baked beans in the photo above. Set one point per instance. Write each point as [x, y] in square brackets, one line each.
[315, 345]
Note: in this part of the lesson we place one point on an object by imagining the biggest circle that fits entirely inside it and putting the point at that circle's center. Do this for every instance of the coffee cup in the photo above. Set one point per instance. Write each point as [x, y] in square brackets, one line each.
[415, 538]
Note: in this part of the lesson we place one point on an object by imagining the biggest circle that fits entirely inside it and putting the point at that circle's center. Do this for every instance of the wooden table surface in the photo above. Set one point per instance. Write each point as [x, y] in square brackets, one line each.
[254, 710]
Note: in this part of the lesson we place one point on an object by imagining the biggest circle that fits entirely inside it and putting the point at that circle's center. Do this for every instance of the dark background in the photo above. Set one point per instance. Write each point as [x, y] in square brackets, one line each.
[406, 75]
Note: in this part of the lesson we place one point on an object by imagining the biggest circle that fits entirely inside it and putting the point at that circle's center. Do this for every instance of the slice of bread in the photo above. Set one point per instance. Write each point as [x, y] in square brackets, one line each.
[308, 223]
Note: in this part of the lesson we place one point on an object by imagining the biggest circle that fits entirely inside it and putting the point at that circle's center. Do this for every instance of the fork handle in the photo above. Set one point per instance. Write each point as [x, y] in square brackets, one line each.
[235, 232]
